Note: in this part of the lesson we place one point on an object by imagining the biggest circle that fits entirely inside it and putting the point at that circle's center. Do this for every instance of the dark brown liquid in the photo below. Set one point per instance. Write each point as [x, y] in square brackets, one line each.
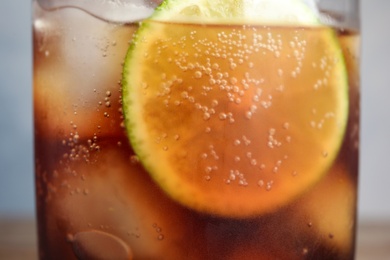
[95, 199]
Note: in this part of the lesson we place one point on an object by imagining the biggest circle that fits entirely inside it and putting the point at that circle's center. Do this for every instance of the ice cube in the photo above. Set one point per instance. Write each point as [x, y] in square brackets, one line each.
[111, 10]
[78, 65]
[114, 195]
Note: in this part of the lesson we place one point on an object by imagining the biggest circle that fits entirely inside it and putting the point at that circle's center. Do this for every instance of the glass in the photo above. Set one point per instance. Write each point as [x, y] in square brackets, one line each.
[262, 120]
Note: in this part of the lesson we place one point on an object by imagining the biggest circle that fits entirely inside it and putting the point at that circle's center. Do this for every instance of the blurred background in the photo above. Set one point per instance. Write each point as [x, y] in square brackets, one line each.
[16, 143]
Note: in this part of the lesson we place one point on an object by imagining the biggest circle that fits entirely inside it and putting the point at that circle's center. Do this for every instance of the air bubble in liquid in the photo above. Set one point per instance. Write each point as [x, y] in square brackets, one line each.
[96, 244]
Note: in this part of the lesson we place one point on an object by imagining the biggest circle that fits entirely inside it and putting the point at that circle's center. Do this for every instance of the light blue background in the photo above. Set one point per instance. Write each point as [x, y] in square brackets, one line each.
[16, 143]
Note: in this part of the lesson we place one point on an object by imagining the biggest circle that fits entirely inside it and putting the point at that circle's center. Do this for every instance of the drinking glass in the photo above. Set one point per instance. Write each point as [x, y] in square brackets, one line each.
[208, 136]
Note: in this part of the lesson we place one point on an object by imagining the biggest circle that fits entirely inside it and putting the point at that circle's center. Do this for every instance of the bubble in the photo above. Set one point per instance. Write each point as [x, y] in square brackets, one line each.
[134, 159]
[246, 140]
[206, 116]
[293, 74]
[222, 116]
[214, 103]
[96, 244]
[198, 74]
[268, 186]
[76, 138]
[184, 94]
[248, 114]
[219, 75]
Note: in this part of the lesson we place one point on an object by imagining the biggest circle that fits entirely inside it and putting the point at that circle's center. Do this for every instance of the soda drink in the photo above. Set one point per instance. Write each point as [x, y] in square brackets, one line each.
[98, 195]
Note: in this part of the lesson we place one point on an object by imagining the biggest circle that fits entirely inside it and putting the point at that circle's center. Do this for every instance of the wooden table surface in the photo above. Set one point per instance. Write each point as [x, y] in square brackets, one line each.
[18, 240]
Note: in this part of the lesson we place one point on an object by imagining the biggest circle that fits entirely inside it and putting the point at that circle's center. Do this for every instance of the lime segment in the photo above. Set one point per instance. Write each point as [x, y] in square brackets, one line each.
[234, 120]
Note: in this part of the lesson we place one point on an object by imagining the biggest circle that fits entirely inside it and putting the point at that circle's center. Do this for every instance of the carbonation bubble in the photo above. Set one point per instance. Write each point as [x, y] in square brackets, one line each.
[96, 244]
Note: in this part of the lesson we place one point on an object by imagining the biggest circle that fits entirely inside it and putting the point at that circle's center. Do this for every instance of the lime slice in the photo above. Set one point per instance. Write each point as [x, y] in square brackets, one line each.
[235, 119]
[237, 11]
